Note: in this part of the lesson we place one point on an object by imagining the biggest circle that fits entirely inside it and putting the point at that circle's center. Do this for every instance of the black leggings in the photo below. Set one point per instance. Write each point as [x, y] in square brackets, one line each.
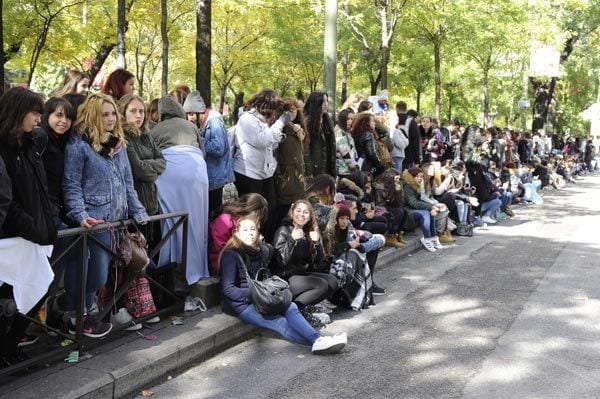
[312, 288]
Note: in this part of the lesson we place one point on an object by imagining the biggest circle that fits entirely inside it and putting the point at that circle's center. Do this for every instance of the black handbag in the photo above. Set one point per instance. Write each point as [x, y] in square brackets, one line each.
[271, 295]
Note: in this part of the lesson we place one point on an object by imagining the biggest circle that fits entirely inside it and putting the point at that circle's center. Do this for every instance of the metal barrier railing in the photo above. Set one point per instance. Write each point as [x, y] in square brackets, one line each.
[82, 236]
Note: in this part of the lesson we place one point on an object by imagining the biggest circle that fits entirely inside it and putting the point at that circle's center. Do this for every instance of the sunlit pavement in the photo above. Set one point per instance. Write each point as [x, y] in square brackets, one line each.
[513, 312]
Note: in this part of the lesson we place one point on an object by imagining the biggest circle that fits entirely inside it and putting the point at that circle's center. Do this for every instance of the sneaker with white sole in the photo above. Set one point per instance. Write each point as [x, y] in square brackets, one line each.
[428, 244]
[92, 327]
[329, 344]
[488, 220]
[122, 317]
[153, 320]
[328, 303]
[320, 308]
[436, 243]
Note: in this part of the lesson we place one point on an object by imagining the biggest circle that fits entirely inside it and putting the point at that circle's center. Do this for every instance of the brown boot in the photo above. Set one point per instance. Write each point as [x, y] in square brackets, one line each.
[446, 238]
[400, 238]
[392, 241]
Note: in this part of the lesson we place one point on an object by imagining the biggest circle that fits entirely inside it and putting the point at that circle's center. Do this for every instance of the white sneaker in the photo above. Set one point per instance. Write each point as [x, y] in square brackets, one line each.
[322, 318]
[329, 344]
[451, 225]
[427, 244]
[488, 220]
[436, 243]
[122, 317]
[153, 320]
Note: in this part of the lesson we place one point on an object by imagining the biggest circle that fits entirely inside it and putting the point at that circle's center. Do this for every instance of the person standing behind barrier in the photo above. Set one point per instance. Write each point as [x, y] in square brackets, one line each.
[245, 246]
[289, 176]
[363, 132]
[258, 132]
[412, 153]
[30, 212]
[119, 83]
[146, 160]
[320, 155]
[183, 187]
[5, 194]
[75, 82]
[216, 146]
[347, 158]
[98, 188]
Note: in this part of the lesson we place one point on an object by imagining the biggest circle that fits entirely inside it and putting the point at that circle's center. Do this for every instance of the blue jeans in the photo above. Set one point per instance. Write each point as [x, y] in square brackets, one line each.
[506, 199]
[95, 271]
[291, 325]
[423, 217]
[490, 207]
[398, 163]
[374, 243]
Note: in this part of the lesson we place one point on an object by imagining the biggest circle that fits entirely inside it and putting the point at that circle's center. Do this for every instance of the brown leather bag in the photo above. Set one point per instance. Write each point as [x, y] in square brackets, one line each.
[132, 250]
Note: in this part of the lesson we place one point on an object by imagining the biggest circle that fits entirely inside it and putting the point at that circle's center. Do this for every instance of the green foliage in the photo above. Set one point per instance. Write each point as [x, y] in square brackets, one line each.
[484, 48]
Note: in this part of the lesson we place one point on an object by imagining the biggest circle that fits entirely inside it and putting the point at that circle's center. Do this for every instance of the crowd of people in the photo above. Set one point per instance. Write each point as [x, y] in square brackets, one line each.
[317, 199]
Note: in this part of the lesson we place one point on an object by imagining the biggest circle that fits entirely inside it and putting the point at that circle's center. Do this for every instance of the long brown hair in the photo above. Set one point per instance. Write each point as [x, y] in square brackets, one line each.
[15, 104]
[267, 103]
[234, 242]
[299, 120]
[115, 83]
[72, 79]
[362, 124]
[251, 203]
[311, 225]
[123, 104]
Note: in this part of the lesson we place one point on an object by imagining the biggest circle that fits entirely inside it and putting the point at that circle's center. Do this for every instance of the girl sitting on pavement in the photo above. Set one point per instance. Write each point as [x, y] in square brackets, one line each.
[221, 229]
[299, 259]
[237, 301]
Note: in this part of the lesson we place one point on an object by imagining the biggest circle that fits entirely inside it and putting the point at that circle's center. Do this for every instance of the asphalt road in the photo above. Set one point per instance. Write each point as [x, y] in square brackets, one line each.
[513, 312]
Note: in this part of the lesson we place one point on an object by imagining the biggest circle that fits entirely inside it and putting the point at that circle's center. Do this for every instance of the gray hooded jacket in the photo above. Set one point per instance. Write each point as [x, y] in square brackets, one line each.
[173, 128]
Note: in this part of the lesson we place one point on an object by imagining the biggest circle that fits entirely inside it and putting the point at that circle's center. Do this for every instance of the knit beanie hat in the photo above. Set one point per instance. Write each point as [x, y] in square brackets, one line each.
[194, 103]
[414, 171]
[342, 209]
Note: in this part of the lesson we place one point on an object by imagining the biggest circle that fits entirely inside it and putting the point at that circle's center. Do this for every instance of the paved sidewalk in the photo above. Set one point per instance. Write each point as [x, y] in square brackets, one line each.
[128, 363]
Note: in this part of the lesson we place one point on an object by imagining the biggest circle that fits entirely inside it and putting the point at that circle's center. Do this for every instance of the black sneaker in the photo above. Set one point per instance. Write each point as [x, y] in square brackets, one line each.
[28, 340]
[377, 290]
[92, 328]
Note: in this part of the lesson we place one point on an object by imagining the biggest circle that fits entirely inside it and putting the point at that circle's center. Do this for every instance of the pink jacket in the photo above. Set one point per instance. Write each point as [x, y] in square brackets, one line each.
[221, 230]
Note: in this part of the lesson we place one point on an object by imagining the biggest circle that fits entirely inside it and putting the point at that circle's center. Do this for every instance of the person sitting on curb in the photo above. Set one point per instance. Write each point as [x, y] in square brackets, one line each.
[237, 301]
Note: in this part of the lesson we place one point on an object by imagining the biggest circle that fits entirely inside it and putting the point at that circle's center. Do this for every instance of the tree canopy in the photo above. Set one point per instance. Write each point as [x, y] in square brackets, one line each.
[465, 59]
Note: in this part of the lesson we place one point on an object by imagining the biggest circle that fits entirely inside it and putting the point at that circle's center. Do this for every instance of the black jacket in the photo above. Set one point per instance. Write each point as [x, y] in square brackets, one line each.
[366, 148]
[5, 195]
[53, 157]
[295, 256]
[320, 154]
[412, 153]
[31, 214]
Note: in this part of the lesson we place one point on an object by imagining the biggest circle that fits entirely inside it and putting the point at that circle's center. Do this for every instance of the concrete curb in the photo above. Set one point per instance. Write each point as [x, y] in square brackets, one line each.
[138, 363]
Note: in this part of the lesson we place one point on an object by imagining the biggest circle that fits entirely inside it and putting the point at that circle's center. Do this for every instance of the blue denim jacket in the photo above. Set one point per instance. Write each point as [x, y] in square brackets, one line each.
[99, 186]
[216, 145]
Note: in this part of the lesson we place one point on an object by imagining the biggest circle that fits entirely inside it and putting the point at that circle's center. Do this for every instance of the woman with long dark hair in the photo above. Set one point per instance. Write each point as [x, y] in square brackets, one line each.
[289, 176]
[363, 132]
[300, 260]
[320, 155]
[30, 213]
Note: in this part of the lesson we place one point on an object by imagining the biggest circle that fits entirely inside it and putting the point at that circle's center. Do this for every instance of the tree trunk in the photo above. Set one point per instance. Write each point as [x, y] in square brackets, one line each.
[385, 59]
[203, 49]
[419, 101]
[344, 78]
[438, 78]
[2, 57]
[222, 93]
[101, 56]
[239, 102]
[121, 29]
[486, 99]
[165, 48]
[330, 52]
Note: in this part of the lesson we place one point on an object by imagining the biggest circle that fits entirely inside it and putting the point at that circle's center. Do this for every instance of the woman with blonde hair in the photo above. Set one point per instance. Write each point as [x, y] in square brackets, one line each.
[98, 188]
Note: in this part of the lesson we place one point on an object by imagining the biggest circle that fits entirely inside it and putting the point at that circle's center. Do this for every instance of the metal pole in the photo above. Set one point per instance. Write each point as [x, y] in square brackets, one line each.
[330, 51]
